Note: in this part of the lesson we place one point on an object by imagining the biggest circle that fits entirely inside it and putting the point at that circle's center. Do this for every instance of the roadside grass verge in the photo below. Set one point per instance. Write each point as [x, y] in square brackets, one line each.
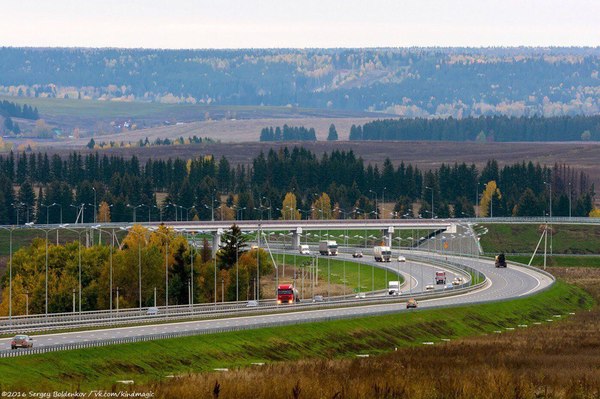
[333, 270]
[150, 362]
[522, 238]
[558, 260]
[556, 360]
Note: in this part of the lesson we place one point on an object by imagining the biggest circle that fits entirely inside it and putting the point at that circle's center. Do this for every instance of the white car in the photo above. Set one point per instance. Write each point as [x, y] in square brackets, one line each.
[152, 311]
[401, 258]
[361, 295]
[252, 304]
[456, 282]
[429, 287]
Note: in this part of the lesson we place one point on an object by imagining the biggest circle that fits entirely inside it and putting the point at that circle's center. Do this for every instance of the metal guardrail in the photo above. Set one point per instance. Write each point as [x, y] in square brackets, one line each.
[265, 310]
[142, 338]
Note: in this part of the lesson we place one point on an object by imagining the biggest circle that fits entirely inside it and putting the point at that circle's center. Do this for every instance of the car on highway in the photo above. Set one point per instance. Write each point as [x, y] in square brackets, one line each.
[318, 298]
[456, 282]
[411, 303]
[152, 311]
[304, 249]
[401, 258]
[357, 254]
[429, 287]
[21, 341]
[361, 295]
[252, 304]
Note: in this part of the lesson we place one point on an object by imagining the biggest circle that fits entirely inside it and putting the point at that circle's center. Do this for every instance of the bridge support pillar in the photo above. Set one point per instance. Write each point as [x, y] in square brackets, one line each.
[296, 238]
[388, 235]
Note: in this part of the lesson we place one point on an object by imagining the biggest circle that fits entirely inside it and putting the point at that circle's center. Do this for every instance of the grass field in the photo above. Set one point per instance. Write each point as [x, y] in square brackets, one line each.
[566, 239]
[153, 361]
[335, 269]
[559, 261]
[557, 360]
[59, 107]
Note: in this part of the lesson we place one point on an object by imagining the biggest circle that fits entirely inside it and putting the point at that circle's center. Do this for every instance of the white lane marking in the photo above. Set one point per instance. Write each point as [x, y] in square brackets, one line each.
[526, 271]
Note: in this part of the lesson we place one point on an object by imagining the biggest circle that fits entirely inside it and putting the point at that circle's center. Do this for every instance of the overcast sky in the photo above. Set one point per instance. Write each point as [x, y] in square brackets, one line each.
[299, 23]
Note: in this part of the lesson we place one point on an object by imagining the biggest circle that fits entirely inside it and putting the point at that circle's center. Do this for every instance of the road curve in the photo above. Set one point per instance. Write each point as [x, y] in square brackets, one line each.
[512, 282]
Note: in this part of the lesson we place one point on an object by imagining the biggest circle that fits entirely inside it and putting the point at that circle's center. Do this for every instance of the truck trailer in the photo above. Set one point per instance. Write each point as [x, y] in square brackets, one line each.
[328, 247]
[394, 288]
[440, 277]
[287, 293]
[382, 253]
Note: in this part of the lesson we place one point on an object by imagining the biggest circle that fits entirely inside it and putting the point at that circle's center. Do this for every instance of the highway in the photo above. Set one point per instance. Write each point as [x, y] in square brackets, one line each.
[514, 281]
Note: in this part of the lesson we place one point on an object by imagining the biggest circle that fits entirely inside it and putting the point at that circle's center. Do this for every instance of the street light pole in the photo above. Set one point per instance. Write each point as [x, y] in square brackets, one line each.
[429, 188]
[570, 191]
[376, 209]
[383, 202]
[477, 200]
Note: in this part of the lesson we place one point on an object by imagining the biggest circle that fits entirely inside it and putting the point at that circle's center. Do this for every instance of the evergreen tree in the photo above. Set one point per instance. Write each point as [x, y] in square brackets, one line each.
[332, 135]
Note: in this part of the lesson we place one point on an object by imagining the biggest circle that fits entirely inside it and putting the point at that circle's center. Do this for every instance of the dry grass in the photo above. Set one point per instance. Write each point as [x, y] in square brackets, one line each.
[554, 360]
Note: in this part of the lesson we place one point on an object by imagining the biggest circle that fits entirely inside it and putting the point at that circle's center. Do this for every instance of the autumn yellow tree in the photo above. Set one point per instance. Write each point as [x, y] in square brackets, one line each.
[594, 213]
[289, 208]
[103, 212]
[491, 191]
[321, 208]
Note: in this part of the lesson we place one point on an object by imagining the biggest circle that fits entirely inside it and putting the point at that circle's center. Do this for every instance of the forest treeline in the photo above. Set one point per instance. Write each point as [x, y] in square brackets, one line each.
[482, 129]
[288, 133]
[10, 109]
[190, 268]
[35, 187]
[410, 82]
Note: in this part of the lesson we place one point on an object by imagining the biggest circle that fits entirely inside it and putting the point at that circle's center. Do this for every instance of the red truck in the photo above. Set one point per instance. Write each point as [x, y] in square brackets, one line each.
[440, 277]
[286, 293]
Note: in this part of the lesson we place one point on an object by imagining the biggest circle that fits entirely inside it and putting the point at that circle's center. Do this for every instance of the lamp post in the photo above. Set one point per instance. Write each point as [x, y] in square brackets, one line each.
[128, 229]
[174, 206]
[477, 200]
[64, 226]
[570, 192]
[383, 201]
[159, 212]
[430, 188]
[10, 234]
[110, 270]
[550, 188]
[550, 198]
[95, 211]
[135, 209]
[192, 250]
[46, 263]
[376, 209]
[17, 206]
[269, 208]
[167, 239]
[212, 206]
[187, 213]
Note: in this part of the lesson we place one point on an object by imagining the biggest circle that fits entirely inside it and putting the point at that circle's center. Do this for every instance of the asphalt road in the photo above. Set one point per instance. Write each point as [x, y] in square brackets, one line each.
[506, 283]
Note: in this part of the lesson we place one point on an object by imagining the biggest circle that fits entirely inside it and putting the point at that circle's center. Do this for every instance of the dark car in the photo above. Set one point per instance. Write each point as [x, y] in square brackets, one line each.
[21, 341]
[500, 261]
[357, 254]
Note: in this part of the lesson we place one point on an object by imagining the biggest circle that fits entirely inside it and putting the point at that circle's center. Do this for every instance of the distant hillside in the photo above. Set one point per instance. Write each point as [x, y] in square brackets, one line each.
[408, 82]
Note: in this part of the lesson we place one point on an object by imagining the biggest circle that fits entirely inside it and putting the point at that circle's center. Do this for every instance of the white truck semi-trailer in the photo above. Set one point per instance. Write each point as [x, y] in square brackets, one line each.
[382, 253]
[393, 287]
[328, 247]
